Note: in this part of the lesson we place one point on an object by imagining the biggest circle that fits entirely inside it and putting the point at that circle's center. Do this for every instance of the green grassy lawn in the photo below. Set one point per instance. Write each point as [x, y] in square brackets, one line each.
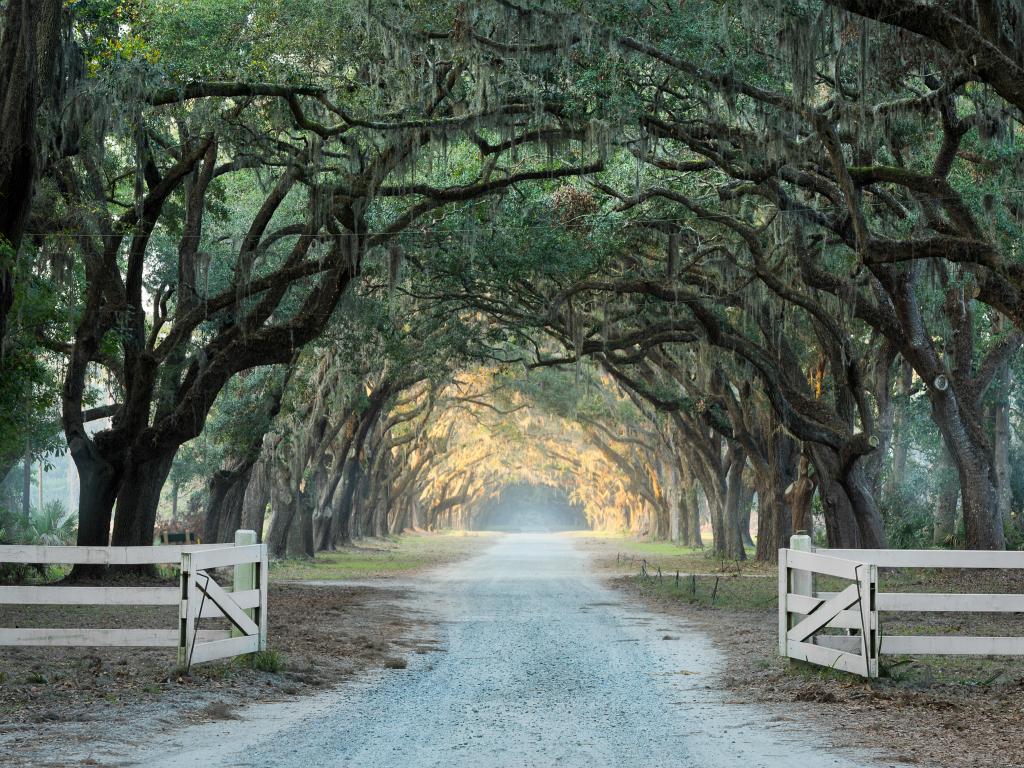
[625, 554]
[729, 591]
[382, 557]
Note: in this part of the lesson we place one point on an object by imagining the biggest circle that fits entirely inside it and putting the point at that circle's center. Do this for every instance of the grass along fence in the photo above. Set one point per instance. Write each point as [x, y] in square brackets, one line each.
[198, 597]
[842, 629]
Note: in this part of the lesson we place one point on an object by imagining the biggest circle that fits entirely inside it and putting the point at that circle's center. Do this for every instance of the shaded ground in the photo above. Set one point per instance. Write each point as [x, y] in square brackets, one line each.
[319, 636]
[543, 666]
[934, 711]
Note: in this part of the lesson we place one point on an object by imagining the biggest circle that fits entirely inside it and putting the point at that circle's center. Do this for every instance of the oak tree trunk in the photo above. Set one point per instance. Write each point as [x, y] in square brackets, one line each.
[947, 493]
[138, 498]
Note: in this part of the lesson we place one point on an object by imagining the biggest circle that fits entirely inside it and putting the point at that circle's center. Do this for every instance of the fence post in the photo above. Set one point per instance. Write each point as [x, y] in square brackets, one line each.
[264, 587]
[187, 611]
[869, 619]
[245, 574]
[783, 597]
[803, 581]
[792, 581]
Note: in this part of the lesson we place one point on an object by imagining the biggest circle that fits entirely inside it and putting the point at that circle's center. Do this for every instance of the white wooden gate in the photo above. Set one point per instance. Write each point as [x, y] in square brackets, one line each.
[198, 597]
[804, 619]
[806, 613]
[202, 597]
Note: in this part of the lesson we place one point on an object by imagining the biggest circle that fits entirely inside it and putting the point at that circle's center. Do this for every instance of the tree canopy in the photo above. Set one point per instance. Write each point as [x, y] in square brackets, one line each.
[337, 269]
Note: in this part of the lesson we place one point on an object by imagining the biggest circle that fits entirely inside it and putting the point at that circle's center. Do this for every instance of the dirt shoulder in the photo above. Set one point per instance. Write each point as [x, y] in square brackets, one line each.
[320, 635]
[962, 712]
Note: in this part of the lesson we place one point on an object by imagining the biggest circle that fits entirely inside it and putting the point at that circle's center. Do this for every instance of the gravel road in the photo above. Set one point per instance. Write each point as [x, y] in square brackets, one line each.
[543, 666]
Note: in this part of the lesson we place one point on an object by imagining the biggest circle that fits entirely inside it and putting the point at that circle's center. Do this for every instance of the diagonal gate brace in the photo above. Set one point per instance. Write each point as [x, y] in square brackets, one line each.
[824, 613]
[216, 594]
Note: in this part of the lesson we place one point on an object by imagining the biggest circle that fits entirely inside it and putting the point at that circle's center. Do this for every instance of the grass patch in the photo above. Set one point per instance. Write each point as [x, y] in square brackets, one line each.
[727, 591]
[625, 554]
[382, 557]
[266, 661]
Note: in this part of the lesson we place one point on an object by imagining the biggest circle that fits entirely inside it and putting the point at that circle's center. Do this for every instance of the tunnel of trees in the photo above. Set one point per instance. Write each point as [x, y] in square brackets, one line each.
[715, 270]
[530, 507]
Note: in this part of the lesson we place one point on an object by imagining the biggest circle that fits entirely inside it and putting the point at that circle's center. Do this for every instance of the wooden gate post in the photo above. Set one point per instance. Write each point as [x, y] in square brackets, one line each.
[869, 619]
[803, 581]
[793, 581]
[783, 604]
[187, 611]
[245, 574]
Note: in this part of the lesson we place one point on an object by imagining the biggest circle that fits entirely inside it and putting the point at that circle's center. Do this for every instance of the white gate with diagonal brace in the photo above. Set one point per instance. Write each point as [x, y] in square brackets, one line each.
[805, 619]
[842, 629]
[197, 597]
[202, 597]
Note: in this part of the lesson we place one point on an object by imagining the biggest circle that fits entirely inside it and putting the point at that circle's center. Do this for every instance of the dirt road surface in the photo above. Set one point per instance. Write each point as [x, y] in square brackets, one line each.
[544, 666]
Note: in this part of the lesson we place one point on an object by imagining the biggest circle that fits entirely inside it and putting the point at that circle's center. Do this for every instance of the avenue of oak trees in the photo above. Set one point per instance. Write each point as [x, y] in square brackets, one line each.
[339, 269]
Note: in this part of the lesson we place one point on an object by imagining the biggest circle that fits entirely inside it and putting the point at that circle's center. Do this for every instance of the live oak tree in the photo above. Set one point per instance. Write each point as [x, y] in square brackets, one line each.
[180, 295]
[772, 247]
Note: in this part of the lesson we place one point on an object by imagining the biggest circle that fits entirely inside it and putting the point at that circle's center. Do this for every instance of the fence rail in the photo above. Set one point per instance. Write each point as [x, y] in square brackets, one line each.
[198, 597]
[807, 615]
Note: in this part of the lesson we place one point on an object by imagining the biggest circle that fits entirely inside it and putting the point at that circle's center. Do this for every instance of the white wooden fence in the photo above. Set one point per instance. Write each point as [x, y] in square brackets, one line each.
[198, 597]
[806, 614]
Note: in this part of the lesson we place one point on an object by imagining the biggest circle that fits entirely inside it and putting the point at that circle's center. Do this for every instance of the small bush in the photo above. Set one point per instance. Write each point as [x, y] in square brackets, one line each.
[908, 522]
[50, 525]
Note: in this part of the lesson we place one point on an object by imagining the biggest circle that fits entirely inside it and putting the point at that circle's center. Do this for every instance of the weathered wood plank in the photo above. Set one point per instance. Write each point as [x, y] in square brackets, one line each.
[967, 603]
[226, 555]
[261, 611]
[945, 645]
[783, 598]
[826, 564]
[801, 605]
[57, 595]
[824, 614]
[930, 558]
[827, 657]
[154, 638]
[221, 649]
[248, 599]
[162, 555]
[868, 583]
[930, 645]
[187, 636]
[215, 592]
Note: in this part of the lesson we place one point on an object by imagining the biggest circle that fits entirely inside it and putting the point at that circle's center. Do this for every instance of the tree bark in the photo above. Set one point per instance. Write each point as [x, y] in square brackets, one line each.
[972, 455]
[282, 512]
[1001, 443]
[746, 509]
[701, 512]
[138, 498]
[19, 102]
[98, 483]
[798, 498]
[900, 438]
[948, 490]
[300, 534]
[228, 488]
[257, 495]
[732, 546]
[852, 519]
[342, 524]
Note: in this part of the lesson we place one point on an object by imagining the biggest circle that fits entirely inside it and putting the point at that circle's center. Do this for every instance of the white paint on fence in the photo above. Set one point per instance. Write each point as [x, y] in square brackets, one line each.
[805, 615]
[198, 597]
